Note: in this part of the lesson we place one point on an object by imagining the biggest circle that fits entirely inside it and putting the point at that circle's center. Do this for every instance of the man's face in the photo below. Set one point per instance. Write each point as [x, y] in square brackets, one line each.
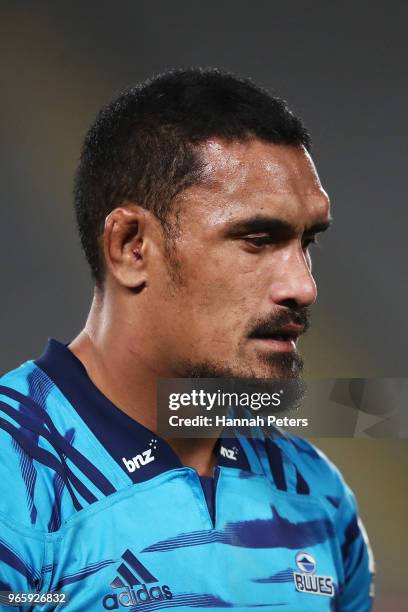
[238, 281]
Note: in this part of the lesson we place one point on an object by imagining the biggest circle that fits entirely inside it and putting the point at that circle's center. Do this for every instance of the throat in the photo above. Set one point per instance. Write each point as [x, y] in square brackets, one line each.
[197, 453]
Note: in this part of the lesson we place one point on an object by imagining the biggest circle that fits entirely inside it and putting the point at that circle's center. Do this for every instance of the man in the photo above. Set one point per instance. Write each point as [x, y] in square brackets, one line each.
[197, 202]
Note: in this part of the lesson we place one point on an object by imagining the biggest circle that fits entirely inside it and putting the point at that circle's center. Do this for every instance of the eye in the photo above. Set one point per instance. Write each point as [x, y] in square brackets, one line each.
[258, 241]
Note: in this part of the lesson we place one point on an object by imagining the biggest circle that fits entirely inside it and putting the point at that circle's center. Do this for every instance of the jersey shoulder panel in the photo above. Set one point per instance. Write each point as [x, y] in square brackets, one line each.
[48, 457]
[323, 478]
[294, 465]
[24, 494]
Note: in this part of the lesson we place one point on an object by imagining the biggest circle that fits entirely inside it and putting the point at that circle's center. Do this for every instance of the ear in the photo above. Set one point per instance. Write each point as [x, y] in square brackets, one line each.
[124, 245]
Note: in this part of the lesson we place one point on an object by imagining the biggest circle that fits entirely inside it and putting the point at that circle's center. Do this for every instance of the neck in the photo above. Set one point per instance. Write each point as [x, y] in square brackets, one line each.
[122, 372]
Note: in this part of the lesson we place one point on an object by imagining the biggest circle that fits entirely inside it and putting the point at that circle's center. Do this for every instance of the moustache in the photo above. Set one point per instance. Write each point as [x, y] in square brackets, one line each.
[275, 325]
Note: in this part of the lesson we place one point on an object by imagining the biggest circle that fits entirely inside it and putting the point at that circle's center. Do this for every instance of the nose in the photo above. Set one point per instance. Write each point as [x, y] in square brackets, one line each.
[293, 283]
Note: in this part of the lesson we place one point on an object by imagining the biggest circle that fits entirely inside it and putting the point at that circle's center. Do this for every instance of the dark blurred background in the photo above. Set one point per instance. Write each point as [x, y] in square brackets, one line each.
[341, 67]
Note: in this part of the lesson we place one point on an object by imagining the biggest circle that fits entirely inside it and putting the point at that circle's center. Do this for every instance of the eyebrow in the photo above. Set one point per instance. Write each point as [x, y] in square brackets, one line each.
[271, 225]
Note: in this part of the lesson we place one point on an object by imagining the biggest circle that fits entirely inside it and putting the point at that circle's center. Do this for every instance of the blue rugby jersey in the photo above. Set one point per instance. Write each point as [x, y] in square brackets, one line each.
[96, 506]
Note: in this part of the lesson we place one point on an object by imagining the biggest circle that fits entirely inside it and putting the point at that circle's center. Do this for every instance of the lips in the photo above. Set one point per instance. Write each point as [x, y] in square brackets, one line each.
[284, 333]
[280, 339]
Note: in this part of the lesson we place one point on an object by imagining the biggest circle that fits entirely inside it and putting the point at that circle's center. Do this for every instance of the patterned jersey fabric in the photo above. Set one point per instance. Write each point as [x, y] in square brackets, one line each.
[96, 506]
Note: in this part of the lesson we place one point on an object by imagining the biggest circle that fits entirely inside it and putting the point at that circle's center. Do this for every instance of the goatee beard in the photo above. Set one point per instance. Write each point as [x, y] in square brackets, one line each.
[275, 366]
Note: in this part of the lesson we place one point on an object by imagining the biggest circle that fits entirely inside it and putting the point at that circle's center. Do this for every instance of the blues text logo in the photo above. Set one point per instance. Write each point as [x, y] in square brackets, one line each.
[306, 581]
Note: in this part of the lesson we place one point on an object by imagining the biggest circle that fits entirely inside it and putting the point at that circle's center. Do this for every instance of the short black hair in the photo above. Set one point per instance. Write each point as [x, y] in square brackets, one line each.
[142, 146]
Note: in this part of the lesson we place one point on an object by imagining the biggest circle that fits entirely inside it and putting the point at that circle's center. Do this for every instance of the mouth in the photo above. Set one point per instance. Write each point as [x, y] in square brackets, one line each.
[281, 340]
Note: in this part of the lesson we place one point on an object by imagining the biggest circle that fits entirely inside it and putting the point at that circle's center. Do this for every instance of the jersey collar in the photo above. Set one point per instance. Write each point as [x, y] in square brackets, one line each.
[141, 453]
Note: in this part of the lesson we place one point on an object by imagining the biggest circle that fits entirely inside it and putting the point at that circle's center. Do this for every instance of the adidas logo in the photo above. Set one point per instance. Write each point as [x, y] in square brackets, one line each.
[134, 578]
[142, 459]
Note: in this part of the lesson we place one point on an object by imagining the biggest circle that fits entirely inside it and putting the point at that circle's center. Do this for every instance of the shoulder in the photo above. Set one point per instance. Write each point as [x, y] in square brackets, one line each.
[37, 434]
[26, 388]
[323, 478]
[50, 466]
[26, 456]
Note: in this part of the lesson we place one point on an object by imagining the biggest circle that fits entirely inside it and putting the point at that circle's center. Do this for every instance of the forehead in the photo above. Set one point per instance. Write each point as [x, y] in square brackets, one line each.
[257, 177]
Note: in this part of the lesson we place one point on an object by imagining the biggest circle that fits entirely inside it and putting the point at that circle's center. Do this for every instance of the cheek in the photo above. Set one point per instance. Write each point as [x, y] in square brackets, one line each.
[214, 288]
[220, 291]
[219, 307]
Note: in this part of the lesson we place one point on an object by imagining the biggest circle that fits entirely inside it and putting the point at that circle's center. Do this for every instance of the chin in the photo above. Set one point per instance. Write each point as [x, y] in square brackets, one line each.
[277, 366]
[274, 366]
[285, 368]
